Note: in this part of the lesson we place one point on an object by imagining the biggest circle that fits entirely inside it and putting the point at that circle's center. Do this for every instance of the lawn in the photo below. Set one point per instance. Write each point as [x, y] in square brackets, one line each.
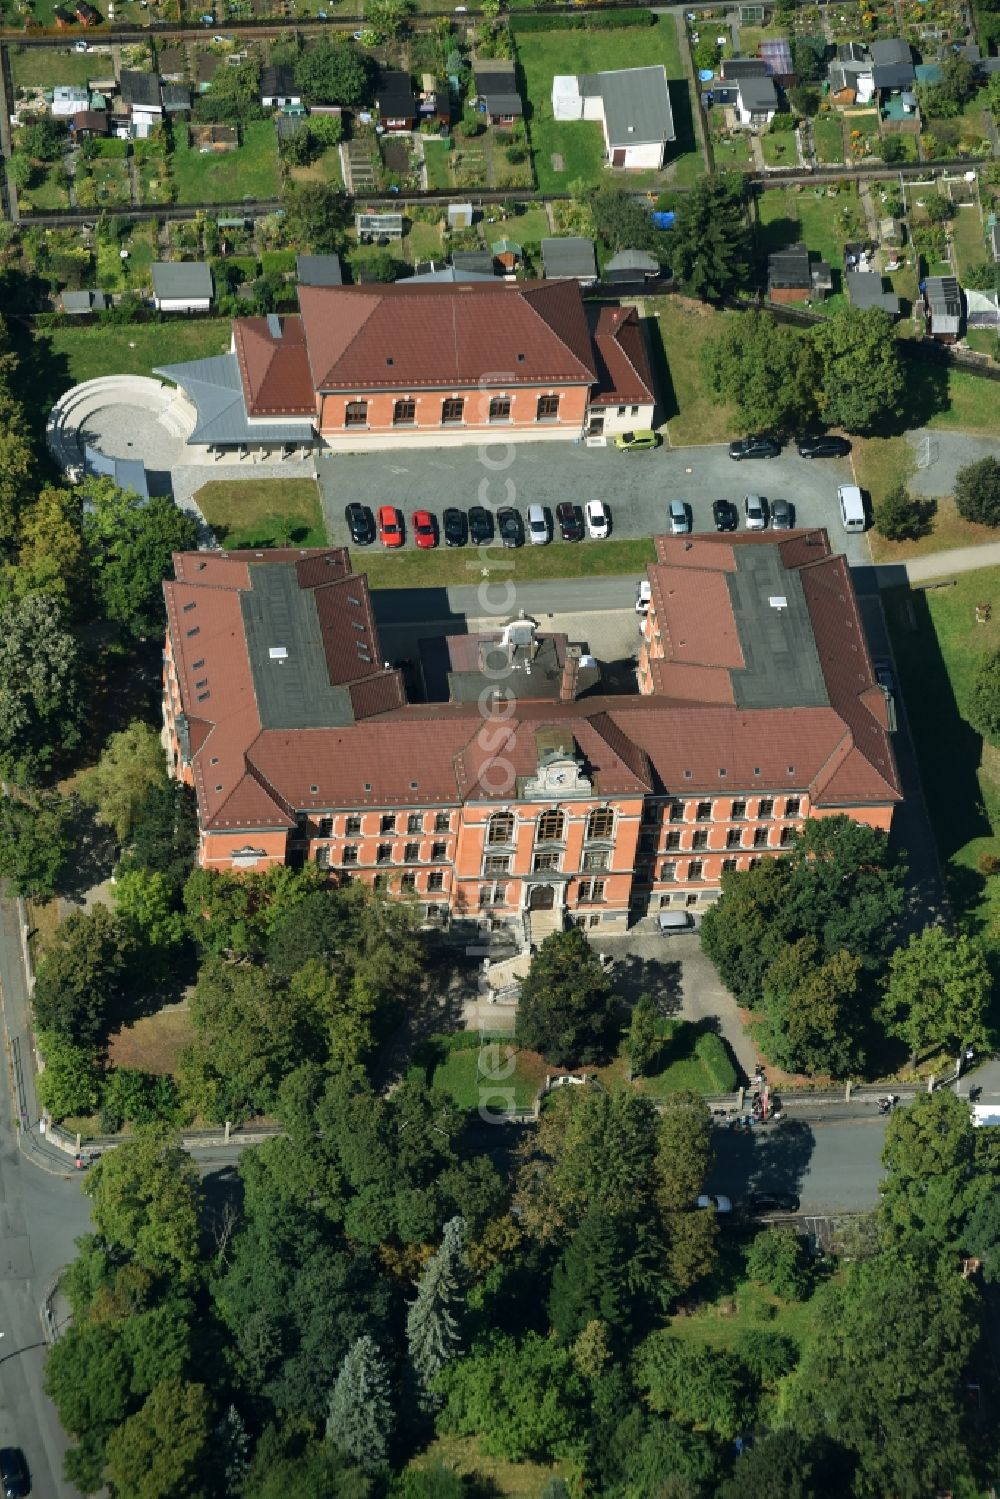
[51, 67]
[688, 1059]
[154, 1043]
[48, 193]
[326, 168]
[85, 353]
[580, 144]
[437, 158]
[490, 1072]
[970, 403]
[780, 149]
[968, 239]
[685, 328]
[423, 241]
[822, 220]
[828, 138]
[263, 512]
[938, 646]
[489, 1475]
[445, 567]
[251, 171]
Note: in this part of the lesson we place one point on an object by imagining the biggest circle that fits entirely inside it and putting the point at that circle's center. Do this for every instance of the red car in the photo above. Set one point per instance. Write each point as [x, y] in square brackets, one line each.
[390, 526]
[424, 529]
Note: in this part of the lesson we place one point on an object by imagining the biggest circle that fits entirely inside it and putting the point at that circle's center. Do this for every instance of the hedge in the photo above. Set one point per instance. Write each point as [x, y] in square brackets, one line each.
[711, 1053]
[610, 20]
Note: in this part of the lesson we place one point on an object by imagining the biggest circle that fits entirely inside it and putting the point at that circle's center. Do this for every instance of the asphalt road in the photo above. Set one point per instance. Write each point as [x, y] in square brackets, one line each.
[637, 487]
[831, 1161]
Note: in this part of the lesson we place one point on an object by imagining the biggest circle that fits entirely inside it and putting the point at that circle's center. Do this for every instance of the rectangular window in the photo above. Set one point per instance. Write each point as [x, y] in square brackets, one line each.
[583, 892]
[739, 810]
[387, 824]
[766, 807]
[404, 413]
[548, 408]
[551, 826]
[435, 880]
[414, 823]
[383, 854]
[500, 409]
[411, 853]
[703, 812]
[326, 827]
[676, 811]
[668, 871]
[621, 411]
[496, 864]
[601, 823]
[439, 851]
[792, 805]
[323, 857]
[591, 891]
[760, 837]
[787, 837]
[408, 884]
[451, 411]
[634, 411]
[734, 838]
[356, 414]
[728, 865]
[673, 841]
[754, 864]
[548, 859]
[691, 900]
[700, 839]
[596, 858]
[349, 854]
[442, 822]
[694, 869]
[352, 827]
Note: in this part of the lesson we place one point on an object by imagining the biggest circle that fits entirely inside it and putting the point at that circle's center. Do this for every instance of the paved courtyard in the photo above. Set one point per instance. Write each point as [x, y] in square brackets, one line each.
[637, 487]
[940, 455]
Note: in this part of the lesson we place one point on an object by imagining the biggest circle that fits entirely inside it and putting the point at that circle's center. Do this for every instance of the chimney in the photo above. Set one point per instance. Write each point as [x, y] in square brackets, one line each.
[571, 670]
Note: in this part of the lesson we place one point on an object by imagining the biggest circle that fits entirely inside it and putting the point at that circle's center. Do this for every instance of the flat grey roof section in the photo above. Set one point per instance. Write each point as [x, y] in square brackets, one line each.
[285, 644]
[866, 289]
[175, 280]
[215, 389]
[318, 270]
[636, 104]
[758, 93]
[776, 635]
[571, 256]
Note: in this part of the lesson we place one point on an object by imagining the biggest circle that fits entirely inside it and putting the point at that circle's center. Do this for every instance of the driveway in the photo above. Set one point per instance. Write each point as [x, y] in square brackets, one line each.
[636, 486]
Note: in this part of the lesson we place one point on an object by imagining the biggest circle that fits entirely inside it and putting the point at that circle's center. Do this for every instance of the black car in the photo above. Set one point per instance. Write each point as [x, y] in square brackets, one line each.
[480, 525]
[773, 1202]
[782, 515]
[14, 1473]
[360, 523]
[511, 528]
[455, 527]
[822, 445]
[725, 515]
[754, 447]
[570, 521]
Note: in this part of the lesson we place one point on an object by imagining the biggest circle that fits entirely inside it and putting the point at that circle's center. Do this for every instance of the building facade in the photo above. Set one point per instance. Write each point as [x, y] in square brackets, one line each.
[518, 794]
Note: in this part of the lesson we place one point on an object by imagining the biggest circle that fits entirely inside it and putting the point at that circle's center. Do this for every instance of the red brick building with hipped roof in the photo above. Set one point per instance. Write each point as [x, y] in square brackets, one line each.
[757, 708]
[380, 366]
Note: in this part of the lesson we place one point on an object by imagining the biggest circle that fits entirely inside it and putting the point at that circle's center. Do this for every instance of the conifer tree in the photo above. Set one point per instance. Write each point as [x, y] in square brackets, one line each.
[433, 1335]
[361, 1416]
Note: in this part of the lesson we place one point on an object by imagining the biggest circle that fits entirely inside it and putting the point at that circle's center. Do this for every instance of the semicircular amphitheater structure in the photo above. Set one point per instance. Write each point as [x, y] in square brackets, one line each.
[132, 428]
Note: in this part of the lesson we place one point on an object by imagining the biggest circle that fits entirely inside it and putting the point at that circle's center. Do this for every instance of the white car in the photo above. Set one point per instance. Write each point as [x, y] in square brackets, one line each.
[538, 526]
[598, 519]
[80, 47]
[643, 595]
[755, 510]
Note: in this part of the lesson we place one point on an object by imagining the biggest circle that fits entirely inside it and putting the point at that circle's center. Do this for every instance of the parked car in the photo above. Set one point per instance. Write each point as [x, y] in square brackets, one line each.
[716, 1200]
[782, 515]
[643, 595]
[570, 521]
[725, 515]
[424, 529]
[360, 523]
[539, 533]
[80, 47]
[390, 526]
[822, 445]
[455, 527]
[754, 447]
[14, 1473]
[480, 525]
[680, 518]
[767, 1201]
[755, 510]
[598, 519]
[511, 528]
[636, 442]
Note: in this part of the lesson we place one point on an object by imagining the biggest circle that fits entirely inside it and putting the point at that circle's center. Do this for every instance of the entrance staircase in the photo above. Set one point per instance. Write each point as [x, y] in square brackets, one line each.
[540, 924]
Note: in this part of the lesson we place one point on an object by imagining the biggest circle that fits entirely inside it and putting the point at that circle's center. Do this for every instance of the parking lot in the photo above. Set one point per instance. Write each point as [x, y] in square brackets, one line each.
[637, 487]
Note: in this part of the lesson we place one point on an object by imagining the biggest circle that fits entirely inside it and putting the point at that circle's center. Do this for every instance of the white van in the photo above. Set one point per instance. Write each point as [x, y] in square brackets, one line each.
[538, 526]
[671, 923]
[852, 507]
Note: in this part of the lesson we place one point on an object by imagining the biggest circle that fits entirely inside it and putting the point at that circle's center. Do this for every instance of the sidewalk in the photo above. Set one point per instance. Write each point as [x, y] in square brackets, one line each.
[939, 564]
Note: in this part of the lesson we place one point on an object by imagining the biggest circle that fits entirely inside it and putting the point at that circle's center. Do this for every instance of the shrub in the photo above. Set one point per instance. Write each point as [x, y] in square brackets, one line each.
[988, 864]
[71, 1082]
[134, 1097]
[767, 1355]
[977, 492]
[893, 148]
[899, 517]
[777, 1260]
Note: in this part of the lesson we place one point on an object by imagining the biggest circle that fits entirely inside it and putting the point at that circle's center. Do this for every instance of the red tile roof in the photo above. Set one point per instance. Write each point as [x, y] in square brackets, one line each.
[419, 337]
[623, 373]
[274, 371]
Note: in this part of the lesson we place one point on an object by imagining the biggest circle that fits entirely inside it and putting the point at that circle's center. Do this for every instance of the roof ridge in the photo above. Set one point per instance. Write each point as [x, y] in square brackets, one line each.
[628, 311]
[546, 291]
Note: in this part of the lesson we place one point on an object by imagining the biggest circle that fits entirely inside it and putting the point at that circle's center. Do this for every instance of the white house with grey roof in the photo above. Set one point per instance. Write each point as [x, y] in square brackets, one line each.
[182, 286]
[633, 107]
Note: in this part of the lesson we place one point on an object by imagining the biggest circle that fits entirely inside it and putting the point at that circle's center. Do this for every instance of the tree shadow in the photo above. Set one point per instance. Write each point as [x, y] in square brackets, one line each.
[660, 978]
[926, 388]
[95, 853]
[683, 115]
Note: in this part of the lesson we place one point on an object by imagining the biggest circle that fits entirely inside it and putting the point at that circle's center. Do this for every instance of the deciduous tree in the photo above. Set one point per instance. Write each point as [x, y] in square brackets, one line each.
[566, 1009]
[332, 70]
[40, 707]
[316, 215]
[766, 370]
[777, 1259]
[939, 1170]
[938, 992]
[131, 769]
[641, 1044]
[81, 980]
[696, 1384]
[523, 1401]
[146, 1196]
[815, 1023]
[130, 542]
[977, 491]
[71, 1082]
[163, 1450]
[984, 699]
[36, 843]
[50, 556]
[861, 374]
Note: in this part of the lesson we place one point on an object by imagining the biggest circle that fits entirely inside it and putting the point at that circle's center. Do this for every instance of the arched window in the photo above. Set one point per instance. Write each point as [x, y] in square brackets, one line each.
[601, 823]
[550, 827]
[501, 828]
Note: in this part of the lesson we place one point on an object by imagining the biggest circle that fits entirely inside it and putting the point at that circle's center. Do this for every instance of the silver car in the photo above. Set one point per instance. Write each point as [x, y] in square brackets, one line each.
[755, 510]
